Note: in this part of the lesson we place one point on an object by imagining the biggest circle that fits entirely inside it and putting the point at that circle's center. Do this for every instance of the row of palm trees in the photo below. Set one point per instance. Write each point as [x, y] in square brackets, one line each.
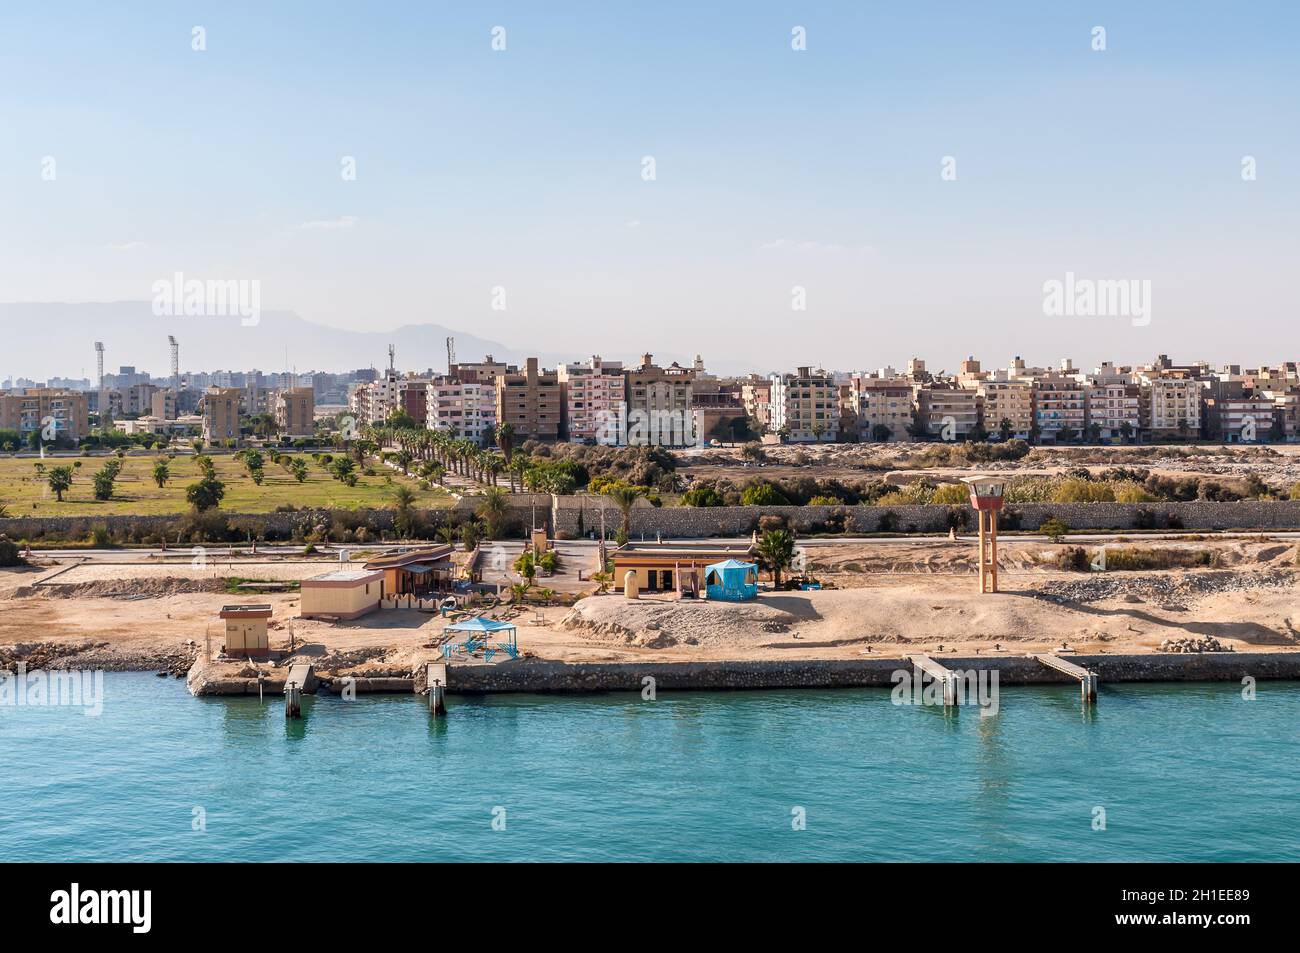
[456, 454]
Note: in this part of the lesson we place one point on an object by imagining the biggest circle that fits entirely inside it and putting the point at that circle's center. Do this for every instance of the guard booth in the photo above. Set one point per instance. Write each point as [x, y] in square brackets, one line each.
[731, 581]
[986, 497]
[246, 635]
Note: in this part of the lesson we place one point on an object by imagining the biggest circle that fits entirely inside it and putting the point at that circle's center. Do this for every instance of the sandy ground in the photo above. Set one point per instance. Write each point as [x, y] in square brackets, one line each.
[927, 603]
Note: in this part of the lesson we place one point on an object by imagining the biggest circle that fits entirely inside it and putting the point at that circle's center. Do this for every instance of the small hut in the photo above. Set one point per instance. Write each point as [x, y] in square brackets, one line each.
[731, 581]
[246, 633]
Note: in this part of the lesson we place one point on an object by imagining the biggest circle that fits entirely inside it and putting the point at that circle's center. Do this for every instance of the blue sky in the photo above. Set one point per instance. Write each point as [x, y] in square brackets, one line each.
[775, 168]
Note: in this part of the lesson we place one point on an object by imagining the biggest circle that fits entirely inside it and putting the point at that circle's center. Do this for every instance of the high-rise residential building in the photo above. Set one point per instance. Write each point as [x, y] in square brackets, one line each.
[221, 407]
[806, 405]
[592, 399]
[295, 411]
[883, 406]
[64, 414]
[529, 401]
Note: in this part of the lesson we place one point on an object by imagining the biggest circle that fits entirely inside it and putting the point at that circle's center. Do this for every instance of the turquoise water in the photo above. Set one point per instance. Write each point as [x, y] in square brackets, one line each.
[1183, 772]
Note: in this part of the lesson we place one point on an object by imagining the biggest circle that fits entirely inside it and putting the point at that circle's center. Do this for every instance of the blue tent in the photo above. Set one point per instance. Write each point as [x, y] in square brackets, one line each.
[478, 632]
[731, 581]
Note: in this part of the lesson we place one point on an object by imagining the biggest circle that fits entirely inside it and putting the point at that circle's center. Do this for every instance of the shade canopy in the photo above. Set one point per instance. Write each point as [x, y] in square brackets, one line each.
[730, 564]
[479, 624]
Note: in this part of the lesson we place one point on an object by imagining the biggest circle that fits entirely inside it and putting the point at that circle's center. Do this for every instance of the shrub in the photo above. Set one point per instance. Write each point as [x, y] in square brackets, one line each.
[1073, 559]
[951, 494]
[702, 496]
[9, 554]
[1054, 529]
[762, 494]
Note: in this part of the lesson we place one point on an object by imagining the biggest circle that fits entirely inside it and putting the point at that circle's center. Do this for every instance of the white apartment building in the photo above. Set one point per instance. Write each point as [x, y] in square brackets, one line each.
[592, 400]
[464, 408]
[949, 413]
[806, 405]
[373, 402]
[1173, 406]
[1060, 403]
[1115, 407]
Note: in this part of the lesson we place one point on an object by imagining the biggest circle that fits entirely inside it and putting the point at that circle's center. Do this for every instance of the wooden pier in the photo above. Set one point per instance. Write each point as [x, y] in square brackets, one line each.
[1087, 679]
[945, 677]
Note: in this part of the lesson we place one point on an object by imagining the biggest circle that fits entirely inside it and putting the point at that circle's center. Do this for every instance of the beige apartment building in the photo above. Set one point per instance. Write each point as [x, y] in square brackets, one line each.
[592, 396]
[756, 396]
[295, 411]
[949, 413]
[806, 405]
[463, 407]
[659, 401]
[35, 409]
[530, 402]
[882, 402]
[220, 407]
[164, 405]
[1012, 401]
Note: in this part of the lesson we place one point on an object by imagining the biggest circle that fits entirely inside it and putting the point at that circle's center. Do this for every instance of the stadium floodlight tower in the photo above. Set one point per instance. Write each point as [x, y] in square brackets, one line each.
[986, 497]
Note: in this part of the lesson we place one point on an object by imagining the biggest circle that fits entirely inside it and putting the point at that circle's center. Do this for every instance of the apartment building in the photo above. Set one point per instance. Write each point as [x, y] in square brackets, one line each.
[1012, 401]
[756, 396]
[138, 399]
[37, 409]
[1116, 408]
[592, 395]
[1172, 406]
[294, 409]
[373, 402]
[806, 405]
[529, 401]
[1060, 404]
[882, 402]
[221, 407]
[465, 408]
[659, 401]
[164, 405]
[948, 412]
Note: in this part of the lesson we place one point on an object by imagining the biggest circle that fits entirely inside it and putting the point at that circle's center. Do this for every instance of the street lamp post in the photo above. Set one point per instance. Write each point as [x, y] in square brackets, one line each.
[986, 497]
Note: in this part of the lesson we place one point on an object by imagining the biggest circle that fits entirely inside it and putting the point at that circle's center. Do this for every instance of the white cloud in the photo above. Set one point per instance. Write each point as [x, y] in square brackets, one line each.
[126, 246]
[789, 244]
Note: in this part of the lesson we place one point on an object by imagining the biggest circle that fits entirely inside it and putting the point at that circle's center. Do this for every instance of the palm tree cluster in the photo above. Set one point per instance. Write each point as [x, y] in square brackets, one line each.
[419, 446]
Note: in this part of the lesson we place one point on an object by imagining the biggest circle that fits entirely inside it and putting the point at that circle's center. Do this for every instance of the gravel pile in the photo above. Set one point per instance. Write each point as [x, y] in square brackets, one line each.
[1209, 644]
[1164, 588]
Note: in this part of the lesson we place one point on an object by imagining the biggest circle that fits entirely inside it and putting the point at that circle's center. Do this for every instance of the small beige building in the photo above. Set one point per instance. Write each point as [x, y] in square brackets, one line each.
[246, 630]
[342, 594]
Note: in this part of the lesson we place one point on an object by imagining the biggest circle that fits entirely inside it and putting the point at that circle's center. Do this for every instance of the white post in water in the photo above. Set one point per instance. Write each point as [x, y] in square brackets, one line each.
[437, 701]
[292, 700]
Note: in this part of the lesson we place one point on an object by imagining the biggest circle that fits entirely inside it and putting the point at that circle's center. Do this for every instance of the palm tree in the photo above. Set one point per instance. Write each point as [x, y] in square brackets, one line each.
[624, 498]
[505, 434]
[161, 474]
[492, 509]
[60, 480]
[403, 501]
[775, 553]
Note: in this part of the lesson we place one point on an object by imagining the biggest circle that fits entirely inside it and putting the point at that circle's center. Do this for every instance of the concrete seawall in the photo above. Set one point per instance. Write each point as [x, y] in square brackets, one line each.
[543, 677]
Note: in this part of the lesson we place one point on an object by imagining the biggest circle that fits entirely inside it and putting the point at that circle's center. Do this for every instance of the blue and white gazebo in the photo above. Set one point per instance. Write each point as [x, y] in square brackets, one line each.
[487, 635]
[731, 581]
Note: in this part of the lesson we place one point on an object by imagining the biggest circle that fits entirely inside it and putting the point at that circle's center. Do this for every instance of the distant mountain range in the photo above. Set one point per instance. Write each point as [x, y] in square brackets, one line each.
[40, 341]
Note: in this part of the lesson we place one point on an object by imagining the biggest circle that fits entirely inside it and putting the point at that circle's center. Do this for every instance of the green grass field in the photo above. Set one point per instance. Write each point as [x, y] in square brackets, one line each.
[25, 493]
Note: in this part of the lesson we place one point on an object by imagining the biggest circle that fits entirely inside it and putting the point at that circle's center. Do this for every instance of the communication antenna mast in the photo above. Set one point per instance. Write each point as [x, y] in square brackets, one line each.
[392, 357]
[451, 354]
[99, 363]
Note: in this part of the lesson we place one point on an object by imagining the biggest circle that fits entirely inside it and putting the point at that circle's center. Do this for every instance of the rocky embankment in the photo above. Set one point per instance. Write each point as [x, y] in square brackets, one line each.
[97, 656]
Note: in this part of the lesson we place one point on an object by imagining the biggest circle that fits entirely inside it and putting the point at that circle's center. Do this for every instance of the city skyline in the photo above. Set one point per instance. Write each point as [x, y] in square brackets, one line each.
[522, 170]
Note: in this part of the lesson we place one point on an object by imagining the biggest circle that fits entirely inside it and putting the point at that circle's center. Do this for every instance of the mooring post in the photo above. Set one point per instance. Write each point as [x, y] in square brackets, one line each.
[437, 701]
[292, 700]
[1089, 683]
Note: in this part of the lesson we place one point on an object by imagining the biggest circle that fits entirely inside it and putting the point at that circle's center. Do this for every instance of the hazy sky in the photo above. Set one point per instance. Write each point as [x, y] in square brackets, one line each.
[774, 168]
